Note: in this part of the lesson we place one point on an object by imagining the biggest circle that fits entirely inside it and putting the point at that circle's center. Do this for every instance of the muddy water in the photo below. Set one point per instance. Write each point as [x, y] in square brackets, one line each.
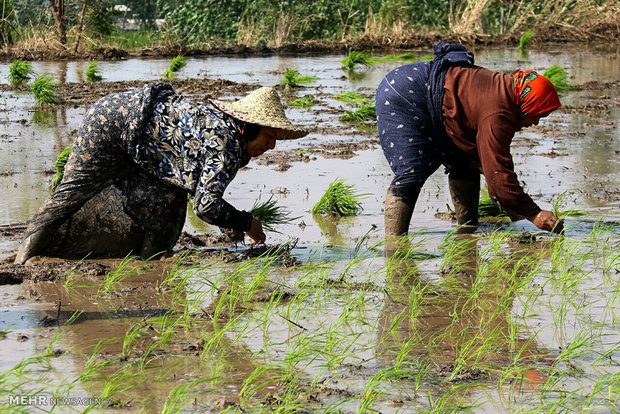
[572, 150]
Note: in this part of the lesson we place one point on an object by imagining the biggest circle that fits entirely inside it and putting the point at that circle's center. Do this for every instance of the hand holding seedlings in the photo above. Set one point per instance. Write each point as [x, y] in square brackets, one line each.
[546, 220]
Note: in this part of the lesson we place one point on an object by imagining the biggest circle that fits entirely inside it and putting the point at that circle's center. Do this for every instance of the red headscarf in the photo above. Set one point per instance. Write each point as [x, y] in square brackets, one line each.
[534, 93]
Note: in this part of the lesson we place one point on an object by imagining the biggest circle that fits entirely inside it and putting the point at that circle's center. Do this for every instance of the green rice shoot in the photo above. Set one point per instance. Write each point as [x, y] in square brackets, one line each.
[364, 113]
[557, 207]
[93, 72]
[20, 73]
[271, 214]
[525, 40]
[293, 79]
[303, 102]
[59, 164]
[340, 199]
[44, 90]
[356, 58]
[487, 208]
[558, 77]
[353, 98]
[408, 57]
[176, 64]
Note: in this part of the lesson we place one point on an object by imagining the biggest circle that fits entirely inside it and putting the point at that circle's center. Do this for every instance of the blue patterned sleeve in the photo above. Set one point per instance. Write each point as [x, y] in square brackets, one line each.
[218, 171]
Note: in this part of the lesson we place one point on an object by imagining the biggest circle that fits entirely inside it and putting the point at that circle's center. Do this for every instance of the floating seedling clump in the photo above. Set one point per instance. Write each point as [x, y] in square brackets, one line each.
[303, 102]
[340, 199]
[366, 112]
[293, 79]
[558, 77]
[356, 58]
[93, 73]
[353, 98]
[20, 73]
[525, 40]
[176, 64]
[44, 90]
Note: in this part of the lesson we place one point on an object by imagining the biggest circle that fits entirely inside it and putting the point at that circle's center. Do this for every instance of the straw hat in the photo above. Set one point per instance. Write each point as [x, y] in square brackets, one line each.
[262, 107]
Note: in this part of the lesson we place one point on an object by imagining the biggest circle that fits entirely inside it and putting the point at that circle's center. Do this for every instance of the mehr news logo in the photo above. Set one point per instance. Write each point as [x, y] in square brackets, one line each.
[46, 400]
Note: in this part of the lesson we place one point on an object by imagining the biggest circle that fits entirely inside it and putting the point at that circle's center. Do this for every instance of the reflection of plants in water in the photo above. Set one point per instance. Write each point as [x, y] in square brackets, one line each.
[44, 116]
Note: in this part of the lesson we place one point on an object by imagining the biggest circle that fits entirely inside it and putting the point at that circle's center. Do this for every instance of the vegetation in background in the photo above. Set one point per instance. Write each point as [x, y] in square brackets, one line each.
[93, 72]
[44, 90]
[366, 112]
[59, 164]
[340, 199]
[20, 73]
[558, 77]
[176, 64]
[303, 102]
[524, 40]
[293, 79]
[403, 57]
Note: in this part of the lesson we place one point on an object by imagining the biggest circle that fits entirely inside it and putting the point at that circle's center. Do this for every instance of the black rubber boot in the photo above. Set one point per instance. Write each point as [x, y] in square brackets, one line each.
[465, 195]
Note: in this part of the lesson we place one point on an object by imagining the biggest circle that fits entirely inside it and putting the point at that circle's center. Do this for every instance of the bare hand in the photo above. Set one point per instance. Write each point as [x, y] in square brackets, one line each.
[546, 220]
[256, 233]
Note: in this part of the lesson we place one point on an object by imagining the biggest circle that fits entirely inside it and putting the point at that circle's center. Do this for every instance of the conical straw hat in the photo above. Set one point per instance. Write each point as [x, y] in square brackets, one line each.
[262, 107]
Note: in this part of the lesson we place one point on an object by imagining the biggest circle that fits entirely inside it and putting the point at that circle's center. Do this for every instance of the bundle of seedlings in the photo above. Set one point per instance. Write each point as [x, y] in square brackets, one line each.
[487, 208]
[270, 215]
[353, 98]
[93, 73]
[356, 58]
[293, 79]
[525, 40]
[303, 102]
[366, 112]
[176, 65]
[59, 164]
[404, 57]
[19, 73]
[558, 77]
[44, 90]
[340, 199]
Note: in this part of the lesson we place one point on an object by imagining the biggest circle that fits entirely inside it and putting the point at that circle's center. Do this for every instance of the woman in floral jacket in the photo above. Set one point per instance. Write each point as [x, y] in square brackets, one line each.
[137, 156]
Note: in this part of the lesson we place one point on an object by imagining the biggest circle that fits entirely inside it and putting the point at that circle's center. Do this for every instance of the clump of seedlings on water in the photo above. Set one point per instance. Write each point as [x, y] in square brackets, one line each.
[525, 40]
[270, 215]
[353, 98]
[340, 199]
[20, 73]
[366, 112]
[303, 102]
[93, 72]
[293, 79]
[487, 208]
[558, 77]
[176, 64]
[44, 90]
[356, 58]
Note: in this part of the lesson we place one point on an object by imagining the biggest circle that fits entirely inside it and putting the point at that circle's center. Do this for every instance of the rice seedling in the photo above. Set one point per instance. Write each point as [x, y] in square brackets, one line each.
[486, 206]
[293, 79]
[182, 395]
[59, 164]
[364, 113]
[559, 203]
[340, 199]
[93, 72]
[176, 64]
[558, 77]
[356, 58]
[270, 215]
[525, 40]
[404, 57]
[303, 102]
[129, 266]
[20, 73]
[353, 98]
[44, 90]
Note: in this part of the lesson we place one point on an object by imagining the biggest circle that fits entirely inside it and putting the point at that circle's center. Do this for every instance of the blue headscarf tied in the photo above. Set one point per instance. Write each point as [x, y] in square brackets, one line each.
[446, 55]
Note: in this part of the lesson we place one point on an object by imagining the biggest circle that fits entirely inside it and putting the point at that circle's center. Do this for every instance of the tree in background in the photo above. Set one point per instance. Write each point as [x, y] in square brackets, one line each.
[58, 11]
[7, 23]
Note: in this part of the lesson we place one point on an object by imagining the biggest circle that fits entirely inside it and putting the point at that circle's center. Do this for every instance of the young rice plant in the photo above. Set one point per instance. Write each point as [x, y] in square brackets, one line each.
[44, 90]
[19, 73]
[558, 77]
[176, 65]
[293, 79]
[270, 215]
[366, 112]
[93, 73]
[340, 199]
[59, 164]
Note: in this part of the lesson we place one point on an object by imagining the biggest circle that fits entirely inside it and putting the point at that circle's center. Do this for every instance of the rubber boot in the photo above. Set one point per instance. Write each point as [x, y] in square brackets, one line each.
[465, 195]
[397, 218]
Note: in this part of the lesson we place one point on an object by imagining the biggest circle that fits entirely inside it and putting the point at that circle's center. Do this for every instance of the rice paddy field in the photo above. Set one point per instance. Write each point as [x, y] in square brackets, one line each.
[327, 317]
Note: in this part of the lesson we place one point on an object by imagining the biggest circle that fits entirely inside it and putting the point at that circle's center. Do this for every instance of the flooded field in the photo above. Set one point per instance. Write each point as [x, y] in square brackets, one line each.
[327, 320]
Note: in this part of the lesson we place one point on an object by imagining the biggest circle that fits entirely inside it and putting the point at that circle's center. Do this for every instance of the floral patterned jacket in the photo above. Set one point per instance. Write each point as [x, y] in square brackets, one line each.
[198, 148]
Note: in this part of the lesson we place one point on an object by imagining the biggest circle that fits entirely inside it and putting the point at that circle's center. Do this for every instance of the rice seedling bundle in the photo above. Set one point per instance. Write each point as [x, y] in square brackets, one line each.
[19, 73]
[93, 73]
[176, 64]
[365, 113]
[340, 199]
[59, 164]
[270, 215]
[558, 77]
[525, 40]
[44, 90]
[353, 98]
[356, 58]
[293, 79]
[487, 208]
[303, 102]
